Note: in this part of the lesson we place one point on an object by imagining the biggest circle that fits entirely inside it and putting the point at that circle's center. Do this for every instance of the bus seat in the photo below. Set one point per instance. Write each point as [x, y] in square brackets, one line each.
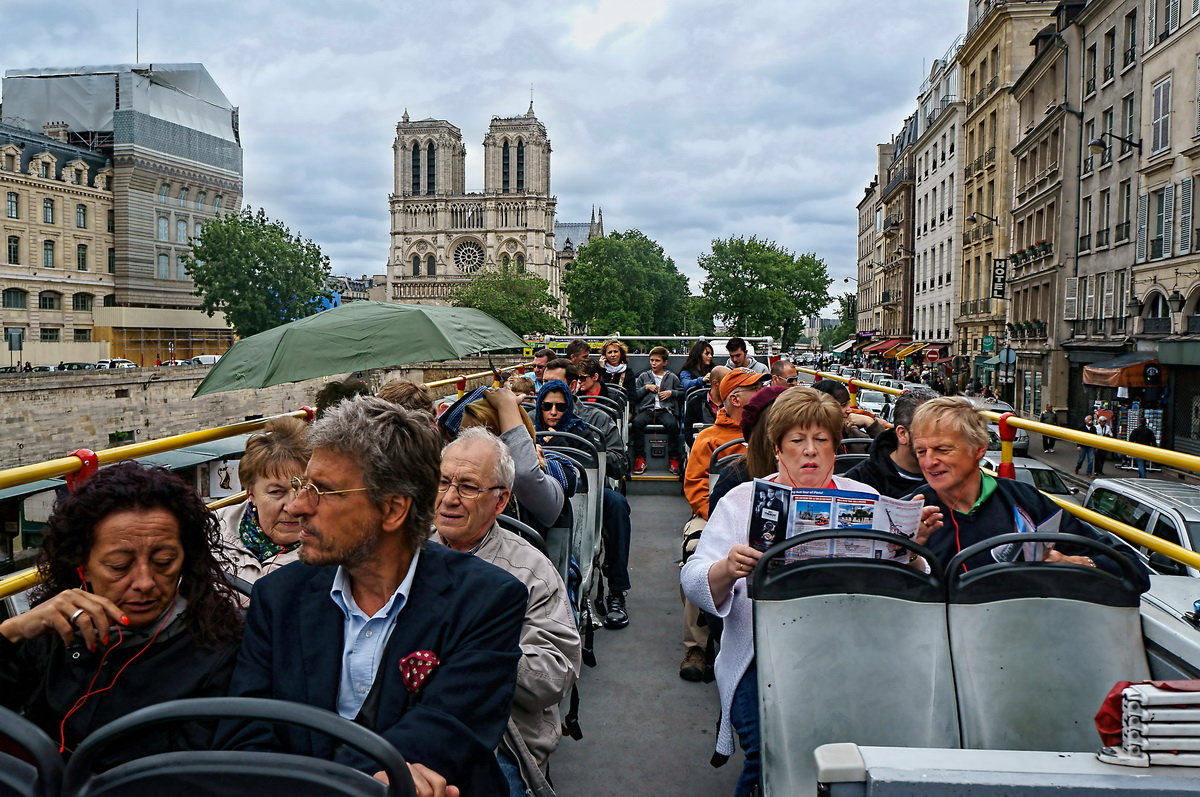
[718, 460]
[587, 502]
[1037, 645]
[848, 650]
[30, 765]
[210, 772]
[524, 531]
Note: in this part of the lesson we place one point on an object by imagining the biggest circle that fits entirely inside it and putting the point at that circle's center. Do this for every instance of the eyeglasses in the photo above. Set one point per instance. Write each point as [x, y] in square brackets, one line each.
[558, 406]
[467, 492]
[791, 380]
[301, 486]
[538, 367]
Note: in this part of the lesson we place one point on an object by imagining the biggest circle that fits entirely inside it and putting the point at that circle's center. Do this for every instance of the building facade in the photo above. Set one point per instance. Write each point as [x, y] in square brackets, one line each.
[899, 236]
[871, 243]
[171, 146]
[441, 234]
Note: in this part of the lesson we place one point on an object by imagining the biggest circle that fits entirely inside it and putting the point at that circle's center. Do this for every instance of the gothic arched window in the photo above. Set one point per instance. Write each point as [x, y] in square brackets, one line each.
[430, 169]
[416, 168]
[521, 263]
[520, 166]
[416, 265]
[430, 266]
[504, 167]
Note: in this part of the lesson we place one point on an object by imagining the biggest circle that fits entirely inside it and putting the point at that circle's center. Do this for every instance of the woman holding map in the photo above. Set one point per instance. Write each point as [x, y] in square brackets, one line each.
[804, 428]
[949, 436]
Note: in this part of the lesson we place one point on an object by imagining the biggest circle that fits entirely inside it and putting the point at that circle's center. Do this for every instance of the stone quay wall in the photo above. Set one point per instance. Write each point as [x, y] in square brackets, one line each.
[45, 415]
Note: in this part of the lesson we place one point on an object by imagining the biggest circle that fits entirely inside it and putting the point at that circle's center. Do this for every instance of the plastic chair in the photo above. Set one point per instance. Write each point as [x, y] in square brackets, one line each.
[42, 777]
[1037, 645]
[877, 626]
[213, 772]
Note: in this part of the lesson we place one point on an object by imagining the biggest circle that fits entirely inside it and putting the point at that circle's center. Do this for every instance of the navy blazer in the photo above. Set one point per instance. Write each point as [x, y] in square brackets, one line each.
[467, 611]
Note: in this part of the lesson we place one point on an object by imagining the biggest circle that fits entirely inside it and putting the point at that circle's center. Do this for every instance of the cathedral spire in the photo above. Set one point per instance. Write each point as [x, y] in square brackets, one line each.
[405, 117]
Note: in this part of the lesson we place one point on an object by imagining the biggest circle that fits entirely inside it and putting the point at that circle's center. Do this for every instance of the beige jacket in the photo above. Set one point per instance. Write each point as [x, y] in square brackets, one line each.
[243, 564]
[550, 651]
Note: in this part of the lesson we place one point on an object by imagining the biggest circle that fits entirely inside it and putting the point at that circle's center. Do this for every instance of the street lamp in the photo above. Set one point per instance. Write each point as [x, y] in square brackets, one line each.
[1097, 146]
[974, 220]
[1176, 301]
[900, 250]
[1134, 306]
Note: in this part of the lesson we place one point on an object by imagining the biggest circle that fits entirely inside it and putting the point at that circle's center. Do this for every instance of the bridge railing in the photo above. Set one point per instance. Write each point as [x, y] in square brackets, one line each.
[83, 462]
[1009, 423]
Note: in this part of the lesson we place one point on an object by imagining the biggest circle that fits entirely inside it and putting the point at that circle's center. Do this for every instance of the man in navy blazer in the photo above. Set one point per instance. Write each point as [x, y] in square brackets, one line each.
[415, 641]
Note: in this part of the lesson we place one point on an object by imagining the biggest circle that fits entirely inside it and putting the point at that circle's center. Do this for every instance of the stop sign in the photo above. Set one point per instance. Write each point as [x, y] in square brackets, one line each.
[931, 355]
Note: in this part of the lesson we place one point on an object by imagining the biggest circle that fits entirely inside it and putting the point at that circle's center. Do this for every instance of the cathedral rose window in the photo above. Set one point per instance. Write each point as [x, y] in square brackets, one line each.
[468, 257]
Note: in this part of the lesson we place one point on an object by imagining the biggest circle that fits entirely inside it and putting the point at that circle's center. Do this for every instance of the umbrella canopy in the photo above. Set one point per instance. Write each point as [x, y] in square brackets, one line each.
[356, 337]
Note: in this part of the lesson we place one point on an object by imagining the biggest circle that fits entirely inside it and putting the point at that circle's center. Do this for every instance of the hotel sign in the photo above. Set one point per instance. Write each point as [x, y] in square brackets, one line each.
[999, 276]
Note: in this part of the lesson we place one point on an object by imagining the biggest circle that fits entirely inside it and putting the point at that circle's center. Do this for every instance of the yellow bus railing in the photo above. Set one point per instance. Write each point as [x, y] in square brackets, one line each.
[460, 381]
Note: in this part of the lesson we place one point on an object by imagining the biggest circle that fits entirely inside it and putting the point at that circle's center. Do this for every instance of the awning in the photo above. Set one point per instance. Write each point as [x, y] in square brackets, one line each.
[1127, 370]
[991, 361]
[842, 347]
[908, 349]
[21, 490]
[882, 346]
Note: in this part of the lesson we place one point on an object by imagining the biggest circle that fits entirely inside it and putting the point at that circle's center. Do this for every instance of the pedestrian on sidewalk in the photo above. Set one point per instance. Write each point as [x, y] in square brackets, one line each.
[1144, 435]
[1084, 455]
[1101, 456]
[1049, 416]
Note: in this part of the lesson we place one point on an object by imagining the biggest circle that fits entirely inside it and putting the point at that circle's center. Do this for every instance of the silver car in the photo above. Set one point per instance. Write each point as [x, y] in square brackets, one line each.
[1021, 444]
[1170, 510]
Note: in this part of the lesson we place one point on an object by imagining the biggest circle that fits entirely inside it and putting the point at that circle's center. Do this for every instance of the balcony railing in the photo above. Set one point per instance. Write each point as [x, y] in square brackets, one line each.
[1085, 242]
[893, 222]
[1193, 324]
[1087, 164]
[1130, 56]
[1090, 88]
[1156, 248]
[901, 177]
[1102, 237]
[1123, 231]
[1156, 326]
[1108, 72]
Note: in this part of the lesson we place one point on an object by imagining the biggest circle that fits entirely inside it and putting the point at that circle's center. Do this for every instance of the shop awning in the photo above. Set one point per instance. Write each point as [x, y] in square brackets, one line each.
[1126, 370]
[882, 346]
[842, 347]
[907, 349]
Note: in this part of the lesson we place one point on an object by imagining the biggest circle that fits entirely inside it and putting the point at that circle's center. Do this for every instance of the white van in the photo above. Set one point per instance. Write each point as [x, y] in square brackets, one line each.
[205, 359]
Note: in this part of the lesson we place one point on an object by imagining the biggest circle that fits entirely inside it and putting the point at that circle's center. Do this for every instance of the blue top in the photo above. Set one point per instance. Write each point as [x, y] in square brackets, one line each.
[364, 638]
[690, 380]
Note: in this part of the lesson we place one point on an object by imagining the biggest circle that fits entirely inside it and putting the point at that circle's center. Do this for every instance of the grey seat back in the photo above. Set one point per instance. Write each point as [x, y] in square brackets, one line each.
[848, 650]
[1037, 645]
[587, 503]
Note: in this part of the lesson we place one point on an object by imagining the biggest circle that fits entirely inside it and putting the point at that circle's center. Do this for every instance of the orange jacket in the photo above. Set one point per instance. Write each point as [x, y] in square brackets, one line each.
[695, 478]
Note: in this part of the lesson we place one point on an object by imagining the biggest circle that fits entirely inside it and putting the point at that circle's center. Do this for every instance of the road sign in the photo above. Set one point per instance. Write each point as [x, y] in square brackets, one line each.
[1008, 355]
[932, 355]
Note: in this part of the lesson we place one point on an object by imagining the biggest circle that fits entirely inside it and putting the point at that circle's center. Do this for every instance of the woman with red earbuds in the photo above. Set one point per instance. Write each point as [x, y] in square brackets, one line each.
[132, 611]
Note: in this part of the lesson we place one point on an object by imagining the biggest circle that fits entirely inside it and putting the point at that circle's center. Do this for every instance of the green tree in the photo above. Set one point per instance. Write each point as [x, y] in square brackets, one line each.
[848, 316]
[624, 283]
[520, 300]
[256, 272]
[760, 288]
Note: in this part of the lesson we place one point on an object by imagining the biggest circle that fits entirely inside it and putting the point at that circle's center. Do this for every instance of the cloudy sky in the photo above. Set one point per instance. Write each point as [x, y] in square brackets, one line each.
[687, 119]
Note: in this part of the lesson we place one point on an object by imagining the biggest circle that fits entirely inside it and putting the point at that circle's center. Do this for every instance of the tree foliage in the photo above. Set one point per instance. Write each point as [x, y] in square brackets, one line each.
[256, 272]
[519, 300]
[760, 288]
[624, 283]
[848, 318]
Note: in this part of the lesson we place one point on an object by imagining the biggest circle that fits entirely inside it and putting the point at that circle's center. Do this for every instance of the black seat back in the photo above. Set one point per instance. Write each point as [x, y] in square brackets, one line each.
[39, 770]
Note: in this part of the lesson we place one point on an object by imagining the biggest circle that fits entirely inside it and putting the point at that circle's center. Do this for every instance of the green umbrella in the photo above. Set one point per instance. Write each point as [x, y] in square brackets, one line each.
[355, 337]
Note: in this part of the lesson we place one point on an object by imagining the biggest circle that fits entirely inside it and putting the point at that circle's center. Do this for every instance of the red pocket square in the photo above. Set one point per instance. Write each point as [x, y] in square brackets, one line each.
[416, 667]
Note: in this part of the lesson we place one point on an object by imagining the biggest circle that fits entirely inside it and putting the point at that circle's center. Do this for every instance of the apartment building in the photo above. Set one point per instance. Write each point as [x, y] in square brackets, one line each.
[871, 243]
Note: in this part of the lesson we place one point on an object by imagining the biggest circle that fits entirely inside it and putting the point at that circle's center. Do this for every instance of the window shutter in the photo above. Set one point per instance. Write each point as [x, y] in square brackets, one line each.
[1151, 34]
[1107, 308]
[1195, 7]
[1172, 15]
[1168, 218]
[1071, 298]
[1140, 247]
[1089, 302]
[1185, 215]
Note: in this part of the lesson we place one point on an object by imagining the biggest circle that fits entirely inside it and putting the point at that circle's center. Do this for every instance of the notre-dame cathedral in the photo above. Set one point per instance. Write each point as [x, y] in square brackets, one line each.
[441, 234]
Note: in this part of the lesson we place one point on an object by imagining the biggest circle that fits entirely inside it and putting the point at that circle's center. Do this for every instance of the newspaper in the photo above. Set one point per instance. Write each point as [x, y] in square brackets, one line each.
[1028, 551]
[780, 511]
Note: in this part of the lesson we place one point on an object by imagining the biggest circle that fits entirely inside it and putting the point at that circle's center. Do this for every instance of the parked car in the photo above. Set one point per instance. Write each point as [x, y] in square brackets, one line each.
[77, 367]
[1036, 474]
[44, 368]
[177, 362]
[205, 359]
[116, 362]
[10, 369]
[1170, 510]
[1021, 444]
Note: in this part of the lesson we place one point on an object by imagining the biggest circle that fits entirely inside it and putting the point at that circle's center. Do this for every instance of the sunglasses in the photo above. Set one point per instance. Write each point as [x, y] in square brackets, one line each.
[558, 406]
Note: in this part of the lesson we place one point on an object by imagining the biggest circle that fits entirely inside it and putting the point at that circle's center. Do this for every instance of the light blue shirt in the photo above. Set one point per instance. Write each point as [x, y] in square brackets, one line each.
[364, 638]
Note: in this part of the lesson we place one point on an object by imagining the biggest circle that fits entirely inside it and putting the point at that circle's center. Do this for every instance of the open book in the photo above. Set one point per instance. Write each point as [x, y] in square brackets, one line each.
[779, 512]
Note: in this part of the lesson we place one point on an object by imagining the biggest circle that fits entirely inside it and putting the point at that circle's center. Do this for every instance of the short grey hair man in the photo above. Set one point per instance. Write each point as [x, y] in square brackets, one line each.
[506, 469]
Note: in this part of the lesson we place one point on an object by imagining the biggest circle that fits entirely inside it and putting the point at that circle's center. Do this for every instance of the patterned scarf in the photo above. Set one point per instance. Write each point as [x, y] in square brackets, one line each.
[255, 539]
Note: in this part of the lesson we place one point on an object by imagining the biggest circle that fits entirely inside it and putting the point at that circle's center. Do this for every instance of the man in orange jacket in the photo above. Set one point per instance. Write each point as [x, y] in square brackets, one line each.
[736, 389]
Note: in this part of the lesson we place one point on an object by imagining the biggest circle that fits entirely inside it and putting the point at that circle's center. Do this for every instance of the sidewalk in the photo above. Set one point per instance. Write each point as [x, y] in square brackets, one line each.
[1063, 457]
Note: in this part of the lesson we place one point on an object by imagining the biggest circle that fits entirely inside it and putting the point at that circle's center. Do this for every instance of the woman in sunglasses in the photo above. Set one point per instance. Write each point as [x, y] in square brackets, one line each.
[556, 413]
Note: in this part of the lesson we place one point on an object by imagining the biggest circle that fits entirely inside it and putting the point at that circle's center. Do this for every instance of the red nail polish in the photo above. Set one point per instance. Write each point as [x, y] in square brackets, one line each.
[124, 620]
[106, 640]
